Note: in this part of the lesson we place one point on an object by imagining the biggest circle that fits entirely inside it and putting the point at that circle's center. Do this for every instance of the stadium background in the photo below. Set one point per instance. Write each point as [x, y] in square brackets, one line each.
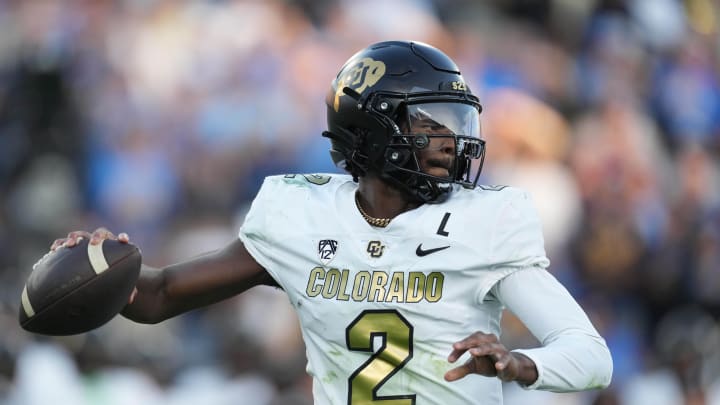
[160, 119]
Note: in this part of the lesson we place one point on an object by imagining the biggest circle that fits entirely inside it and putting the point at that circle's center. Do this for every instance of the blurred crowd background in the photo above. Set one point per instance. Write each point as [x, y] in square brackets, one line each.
[161, 118]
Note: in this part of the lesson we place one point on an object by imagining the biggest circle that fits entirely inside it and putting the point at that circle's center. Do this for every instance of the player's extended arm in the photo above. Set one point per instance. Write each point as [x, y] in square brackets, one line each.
[204, 280]
[172, 290]
[573, 356]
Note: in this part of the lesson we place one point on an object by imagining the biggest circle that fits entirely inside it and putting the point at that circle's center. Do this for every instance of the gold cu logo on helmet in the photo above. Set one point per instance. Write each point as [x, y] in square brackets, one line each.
[375, 248]
[359, 77]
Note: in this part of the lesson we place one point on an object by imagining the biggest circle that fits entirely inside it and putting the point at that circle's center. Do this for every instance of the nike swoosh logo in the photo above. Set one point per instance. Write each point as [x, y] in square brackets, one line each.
[424, 252]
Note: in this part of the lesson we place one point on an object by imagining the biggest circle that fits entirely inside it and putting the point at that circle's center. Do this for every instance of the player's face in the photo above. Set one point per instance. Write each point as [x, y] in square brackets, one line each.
[439, 156]
[442, 121]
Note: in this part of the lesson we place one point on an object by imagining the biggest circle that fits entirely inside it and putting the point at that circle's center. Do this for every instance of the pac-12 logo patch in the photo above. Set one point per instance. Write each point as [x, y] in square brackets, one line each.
[326, 250]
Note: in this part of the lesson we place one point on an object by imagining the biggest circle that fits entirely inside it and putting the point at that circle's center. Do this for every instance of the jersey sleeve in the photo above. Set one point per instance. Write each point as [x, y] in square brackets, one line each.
[573, 356]
[258, 232]
[516, 242]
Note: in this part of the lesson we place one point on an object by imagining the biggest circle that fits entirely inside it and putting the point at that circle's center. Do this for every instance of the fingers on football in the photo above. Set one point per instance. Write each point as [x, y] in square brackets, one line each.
[57, 243]
[72, 239]
[101, 234]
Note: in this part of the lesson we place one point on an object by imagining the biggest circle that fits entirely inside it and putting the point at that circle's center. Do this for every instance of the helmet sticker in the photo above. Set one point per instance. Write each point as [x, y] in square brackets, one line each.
[359, 76]
[460, 86]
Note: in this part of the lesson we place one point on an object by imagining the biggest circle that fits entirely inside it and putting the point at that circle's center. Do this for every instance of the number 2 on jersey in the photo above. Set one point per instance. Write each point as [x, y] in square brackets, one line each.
[396, 350]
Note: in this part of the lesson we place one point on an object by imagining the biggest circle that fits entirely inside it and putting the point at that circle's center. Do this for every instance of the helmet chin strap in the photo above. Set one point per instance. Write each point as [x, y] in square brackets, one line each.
[432, 192]
[418, 188]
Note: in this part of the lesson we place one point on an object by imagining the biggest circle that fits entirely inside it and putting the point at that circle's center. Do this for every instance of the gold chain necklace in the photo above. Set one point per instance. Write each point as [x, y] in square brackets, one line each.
[379, 222]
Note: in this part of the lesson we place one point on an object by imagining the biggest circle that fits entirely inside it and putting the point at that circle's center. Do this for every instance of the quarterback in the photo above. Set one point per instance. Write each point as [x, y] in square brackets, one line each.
[400, 269]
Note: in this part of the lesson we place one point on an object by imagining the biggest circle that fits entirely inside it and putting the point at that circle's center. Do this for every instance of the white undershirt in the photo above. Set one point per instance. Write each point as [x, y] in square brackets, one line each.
[573, 356]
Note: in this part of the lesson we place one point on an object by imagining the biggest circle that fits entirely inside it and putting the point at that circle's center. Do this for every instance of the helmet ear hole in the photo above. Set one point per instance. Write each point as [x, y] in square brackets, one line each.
[397, 157]
[384, 106]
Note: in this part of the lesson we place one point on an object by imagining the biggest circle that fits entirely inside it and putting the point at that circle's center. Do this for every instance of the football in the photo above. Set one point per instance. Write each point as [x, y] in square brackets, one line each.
[77, 289]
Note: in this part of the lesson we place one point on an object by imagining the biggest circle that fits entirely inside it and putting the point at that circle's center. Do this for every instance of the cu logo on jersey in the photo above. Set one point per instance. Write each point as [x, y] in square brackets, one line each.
[375, 248]
[326, 250]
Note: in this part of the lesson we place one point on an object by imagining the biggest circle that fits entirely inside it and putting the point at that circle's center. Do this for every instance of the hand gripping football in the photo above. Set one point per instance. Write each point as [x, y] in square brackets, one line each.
[74, 290]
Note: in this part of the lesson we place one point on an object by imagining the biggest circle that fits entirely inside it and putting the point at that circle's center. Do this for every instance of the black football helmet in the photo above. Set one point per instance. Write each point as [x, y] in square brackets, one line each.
[385, 90]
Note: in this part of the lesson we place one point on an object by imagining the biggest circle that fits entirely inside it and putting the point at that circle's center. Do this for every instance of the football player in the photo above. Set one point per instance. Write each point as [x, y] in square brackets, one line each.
[399, 271]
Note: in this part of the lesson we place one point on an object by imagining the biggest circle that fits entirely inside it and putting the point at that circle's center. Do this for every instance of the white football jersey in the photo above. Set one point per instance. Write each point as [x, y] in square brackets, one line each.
[380, 308]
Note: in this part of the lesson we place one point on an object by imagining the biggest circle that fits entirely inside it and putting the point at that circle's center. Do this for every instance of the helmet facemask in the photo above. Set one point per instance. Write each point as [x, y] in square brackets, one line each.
[419, 124]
